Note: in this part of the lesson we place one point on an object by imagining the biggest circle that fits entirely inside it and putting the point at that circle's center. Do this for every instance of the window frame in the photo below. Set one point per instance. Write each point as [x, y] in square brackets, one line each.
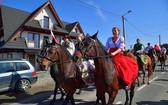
[46, 22]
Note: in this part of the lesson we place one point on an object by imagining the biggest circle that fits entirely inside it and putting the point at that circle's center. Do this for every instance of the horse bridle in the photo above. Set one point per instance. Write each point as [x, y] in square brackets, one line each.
[85, 52]
[45, 54]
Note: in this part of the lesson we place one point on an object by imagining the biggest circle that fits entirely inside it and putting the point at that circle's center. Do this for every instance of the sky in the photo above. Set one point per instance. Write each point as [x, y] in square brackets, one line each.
[147, 20]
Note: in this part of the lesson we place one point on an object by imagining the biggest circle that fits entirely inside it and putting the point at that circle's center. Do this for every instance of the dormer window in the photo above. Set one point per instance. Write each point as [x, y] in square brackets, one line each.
[76, 30]
[46, 22]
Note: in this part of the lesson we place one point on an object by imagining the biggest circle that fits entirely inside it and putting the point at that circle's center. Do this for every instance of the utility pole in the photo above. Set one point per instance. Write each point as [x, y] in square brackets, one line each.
[159, 40]
[123, 24]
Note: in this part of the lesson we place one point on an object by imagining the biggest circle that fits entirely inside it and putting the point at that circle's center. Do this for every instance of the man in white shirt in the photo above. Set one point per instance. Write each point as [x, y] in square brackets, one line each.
[68, 44]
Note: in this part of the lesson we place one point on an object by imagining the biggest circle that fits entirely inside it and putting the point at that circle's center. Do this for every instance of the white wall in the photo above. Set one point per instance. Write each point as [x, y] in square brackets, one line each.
[46, 12]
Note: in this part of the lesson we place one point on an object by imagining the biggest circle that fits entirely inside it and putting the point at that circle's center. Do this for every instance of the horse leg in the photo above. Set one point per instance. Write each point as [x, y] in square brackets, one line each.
[79, 91]
[154, 65]
[72, 100]
[62, 92]
[55, 92]
[127, 95]
[112, 97]
[138, 80]
[101, 97]
[132, 92]
[66, 100]
[143, 71]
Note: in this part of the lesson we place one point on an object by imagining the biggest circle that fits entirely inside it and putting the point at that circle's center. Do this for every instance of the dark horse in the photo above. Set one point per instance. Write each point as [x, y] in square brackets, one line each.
[53, 72]
[68, 74]
[162, 58]
[106, 80]
[154, 58]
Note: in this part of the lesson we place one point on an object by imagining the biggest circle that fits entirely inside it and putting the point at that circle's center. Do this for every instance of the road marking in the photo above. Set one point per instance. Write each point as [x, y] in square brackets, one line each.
[153, 79]
[141, 87]
[119, 102]
[146, 84]
[162, 72]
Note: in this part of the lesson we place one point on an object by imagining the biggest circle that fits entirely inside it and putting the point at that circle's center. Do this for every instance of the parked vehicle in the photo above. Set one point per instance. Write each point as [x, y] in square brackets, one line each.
[16, 74]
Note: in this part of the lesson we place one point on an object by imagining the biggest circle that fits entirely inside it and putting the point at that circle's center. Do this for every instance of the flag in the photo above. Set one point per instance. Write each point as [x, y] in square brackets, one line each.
[53, 37]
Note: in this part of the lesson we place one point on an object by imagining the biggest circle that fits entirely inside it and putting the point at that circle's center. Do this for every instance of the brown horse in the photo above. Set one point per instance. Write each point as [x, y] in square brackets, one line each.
[142, 67]
[154, 58]
[162, 58]
[68, 74]
[53, 72]
[106, 80]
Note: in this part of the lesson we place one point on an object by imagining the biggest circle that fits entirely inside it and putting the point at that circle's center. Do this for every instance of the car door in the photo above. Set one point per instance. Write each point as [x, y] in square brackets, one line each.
[6, 72]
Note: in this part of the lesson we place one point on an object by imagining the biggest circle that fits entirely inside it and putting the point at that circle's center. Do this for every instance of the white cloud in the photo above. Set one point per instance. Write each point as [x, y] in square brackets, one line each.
[98, 10]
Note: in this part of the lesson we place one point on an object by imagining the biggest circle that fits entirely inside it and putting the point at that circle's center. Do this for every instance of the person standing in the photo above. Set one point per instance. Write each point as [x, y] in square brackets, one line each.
[68, 44]
[126, 68]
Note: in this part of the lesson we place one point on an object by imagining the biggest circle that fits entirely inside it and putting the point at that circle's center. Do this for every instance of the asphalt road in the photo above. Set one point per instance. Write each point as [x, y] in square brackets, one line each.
[156, 93]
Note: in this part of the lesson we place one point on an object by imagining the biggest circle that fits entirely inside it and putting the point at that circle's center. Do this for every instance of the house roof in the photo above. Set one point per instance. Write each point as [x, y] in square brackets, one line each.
[70, 26]
[19, 43]
[14, 20]
[11, 21]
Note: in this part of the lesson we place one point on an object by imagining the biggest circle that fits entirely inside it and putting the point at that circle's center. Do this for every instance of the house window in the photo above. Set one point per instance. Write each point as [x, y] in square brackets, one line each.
[34, 38]
[46, 22]
[45, 39]
[76, 30]
[58, 38]
[30, 37]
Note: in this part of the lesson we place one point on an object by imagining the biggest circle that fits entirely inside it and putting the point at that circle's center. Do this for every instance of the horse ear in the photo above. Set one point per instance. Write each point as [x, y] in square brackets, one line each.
[87, 35]
[47, 42]
[95, 35]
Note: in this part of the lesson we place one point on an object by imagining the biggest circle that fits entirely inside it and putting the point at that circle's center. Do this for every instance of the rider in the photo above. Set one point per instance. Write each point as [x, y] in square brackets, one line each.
[86, 64]
[148, 48]
[68, 44]
[163, 50]
[139, 50]
[126, 68]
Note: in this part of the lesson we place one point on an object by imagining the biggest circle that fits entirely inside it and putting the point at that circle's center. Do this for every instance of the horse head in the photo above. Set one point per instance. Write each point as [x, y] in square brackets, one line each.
[88, 49]
[48, 55]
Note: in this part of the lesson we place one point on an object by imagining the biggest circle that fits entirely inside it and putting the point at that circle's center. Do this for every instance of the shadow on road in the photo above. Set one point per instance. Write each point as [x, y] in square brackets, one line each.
[18, 97]
[161, 102]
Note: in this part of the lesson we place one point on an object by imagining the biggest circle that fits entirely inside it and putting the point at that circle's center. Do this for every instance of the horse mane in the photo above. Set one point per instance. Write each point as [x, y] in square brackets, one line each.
[102, 46]
[99, 42]
[65, 50]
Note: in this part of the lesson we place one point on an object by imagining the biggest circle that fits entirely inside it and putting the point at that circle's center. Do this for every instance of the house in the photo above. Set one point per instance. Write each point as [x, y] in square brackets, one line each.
[22, 33]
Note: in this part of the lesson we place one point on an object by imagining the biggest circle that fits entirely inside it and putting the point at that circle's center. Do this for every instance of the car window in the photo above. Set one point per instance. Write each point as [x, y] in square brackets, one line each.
[5, 67]
[22, 66]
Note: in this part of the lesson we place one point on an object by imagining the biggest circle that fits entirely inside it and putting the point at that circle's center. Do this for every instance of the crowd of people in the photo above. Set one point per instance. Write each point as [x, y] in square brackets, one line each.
[115, 45]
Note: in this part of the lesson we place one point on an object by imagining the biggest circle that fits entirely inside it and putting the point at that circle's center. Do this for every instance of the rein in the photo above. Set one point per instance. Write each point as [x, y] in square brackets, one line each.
[98, 56]
[97, 52]
[49, 59]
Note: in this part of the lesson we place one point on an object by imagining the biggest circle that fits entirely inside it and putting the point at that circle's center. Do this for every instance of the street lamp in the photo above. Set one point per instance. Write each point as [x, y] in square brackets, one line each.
[123, 19]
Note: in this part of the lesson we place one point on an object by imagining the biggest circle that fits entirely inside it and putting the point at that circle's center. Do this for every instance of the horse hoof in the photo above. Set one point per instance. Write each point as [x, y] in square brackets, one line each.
[52, 102]
[79, 92]
[61, 99]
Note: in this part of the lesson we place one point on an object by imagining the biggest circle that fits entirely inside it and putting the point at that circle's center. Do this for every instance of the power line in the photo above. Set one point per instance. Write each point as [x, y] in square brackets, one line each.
[86, 4]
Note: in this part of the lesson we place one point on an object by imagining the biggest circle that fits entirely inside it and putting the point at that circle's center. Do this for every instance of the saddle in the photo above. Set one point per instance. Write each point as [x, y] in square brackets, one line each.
[143, 59]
